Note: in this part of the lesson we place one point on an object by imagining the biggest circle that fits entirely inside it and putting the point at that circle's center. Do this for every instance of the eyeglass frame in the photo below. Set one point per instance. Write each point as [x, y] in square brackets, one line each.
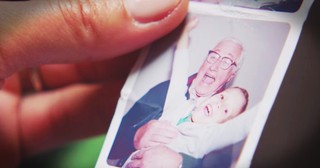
[220, 58]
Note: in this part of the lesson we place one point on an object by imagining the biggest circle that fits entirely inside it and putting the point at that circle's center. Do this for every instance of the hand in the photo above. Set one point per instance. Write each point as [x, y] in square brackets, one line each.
[191, 24]
[183, 42]
[89, 39]
[155, 157]
[154, 133]
[41, 32]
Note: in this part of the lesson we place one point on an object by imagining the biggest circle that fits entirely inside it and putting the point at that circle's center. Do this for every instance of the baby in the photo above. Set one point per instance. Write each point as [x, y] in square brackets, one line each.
[219, 108]
[197, 126]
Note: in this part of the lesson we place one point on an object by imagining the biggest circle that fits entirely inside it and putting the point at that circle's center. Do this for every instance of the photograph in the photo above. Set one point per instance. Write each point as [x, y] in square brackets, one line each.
[271, 5]
[198, 91]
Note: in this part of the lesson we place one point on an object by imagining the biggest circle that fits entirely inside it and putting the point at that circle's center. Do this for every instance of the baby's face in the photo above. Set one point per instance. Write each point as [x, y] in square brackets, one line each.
[220, 107]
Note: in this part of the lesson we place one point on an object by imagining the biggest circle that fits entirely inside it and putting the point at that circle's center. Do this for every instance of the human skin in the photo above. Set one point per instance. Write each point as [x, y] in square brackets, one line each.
[155, 132]
[220, 107]
[154, 158]
[40, 32]
[210, 77]
[148, 134]
[93, 35]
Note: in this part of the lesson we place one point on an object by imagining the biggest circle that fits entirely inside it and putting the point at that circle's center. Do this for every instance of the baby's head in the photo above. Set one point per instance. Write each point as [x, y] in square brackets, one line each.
[221, 107]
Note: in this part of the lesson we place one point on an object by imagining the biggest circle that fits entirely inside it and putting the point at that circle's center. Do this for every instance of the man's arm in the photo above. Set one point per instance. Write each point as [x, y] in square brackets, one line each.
[162, 156]
[154, 133]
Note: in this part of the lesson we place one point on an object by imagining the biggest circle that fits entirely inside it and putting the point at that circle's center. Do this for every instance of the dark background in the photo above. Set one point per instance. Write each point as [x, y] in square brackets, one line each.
[291, 137]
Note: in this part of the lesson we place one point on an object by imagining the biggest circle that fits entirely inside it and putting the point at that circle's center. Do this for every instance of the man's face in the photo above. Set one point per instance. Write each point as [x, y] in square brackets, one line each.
[220, 107]
[211, 76]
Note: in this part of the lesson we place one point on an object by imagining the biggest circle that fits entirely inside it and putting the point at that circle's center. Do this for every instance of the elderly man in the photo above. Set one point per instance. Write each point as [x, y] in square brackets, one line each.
[136, 130]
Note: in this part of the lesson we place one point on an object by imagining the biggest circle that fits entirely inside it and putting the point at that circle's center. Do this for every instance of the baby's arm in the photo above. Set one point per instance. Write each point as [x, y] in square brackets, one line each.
[184, 39]
[179, 75]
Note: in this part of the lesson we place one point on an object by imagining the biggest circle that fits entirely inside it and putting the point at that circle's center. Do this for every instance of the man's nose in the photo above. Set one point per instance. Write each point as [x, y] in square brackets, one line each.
[215, 66]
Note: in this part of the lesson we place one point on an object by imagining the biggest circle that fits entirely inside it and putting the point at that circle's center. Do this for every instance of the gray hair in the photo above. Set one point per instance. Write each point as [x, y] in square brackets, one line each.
[240, 59]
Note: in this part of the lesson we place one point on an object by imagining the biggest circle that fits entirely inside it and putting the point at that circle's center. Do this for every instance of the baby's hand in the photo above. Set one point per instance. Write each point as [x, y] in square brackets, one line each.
[191, 24]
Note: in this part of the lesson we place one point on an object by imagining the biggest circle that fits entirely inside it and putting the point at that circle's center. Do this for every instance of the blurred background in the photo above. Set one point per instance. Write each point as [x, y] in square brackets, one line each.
[292, 133]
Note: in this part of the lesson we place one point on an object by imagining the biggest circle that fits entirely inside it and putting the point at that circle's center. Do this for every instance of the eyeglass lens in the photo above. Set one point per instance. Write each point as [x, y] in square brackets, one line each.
[213, 57]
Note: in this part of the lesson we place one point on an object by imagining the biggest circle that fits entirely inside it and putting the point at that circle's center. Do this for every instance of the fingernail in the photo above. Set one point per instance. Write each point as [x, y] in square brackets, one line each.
[145, 11]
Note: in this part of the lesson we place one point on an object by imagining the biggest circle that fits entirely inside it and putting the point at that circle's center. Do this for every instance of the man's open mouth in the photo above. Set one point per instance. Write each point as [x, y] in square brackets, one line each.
[208, 79]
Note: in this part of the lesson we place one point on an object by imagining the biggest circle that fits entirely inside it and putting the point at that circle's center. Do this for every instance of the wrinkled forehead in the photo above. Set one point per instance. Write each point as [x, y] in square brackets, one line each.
[229, 48]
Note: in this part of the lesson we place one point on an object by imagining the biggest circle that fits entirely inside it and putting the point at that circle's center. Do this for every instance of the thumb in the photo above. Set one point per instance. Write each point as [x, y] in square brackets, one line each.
[68, 31]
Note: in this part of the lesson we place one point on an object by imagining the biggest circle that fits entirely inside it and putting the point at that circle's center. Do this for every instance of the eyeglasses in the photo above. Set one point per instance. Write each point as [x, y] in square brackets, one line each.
[225, 62]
